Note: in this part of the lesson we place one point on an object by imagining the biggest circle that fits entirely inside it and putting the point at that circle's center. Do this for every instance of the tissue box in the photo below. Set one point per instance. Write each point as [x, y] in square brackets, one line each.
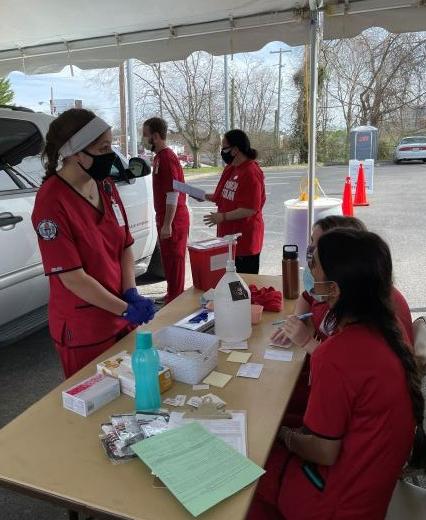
[120, 367]
[91, 394]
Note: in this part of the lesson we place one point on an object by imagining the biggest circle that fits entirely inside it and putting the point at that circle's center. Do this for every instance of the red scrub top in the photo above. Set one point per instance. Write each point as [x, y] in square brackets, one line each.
[165, 169]
[351, 399]
[74, 234]
[242, 186]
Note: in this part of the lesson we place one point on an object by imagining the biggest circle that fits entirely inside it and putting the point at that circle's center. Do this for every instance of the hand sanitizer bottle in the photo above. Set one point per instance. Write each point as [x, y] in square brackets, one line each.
[232, 303]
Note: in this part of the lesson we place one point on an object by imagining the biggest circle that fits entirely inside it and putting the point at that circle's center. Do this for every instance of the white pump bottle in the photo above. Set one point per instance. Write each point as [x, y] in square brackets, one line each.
[232, 302]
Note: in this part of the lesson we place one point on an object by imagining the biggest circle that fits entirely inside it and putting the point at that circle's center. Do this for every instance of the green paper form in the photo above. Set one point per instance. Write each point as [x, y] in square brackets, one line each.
[199, 469]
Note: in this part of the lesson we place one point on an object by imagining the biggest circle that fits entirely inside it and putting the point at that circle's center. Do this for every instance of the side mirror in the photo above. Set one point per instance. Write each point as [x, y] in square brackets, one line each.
[138, 167]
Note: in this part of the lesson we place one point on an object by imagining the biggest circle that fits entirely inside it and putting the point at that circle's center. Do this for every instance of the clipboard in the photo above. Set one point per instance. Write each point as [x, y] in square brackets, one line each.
[205, 412]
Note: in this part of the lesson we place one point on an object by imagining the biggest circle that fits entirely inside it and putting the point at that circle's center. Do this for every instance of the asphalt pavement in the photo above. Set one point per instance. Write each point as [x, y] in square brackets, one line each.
[30, 369]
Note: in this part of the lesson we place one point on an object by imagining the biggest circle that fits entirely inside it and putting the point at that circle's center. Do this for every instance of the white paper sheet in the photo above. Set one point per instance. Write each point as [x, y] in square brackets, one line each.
[252, 370]
[240, 345]
[278, 355]
[232, 431]
[192, 191]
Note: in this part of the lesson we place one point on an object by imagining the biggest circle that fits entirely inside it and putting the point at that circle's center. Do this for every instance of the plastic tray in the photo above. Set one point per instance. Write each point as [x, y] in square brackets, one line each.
[189, 368]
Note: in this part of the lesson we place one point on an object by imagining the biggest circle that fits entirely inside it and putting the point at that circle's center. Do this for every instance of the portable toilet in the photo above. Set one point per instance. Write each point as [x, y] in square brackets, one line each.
[363, 143]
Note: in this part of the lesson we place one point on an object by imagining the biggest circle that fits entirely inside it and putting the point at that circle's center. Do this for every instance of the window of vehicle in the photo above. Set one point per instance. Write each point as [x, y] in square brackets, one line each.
[20, 147]
[31, 171]
[6, 182]
[413, 140]
[120, 164]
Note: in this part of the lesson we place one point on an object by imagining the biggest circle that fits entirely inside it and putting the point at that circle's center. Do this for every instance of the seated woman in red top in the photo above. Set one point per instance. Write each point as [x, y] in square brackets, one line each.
[297, 331]
[85, 242]
[365, 408]
[240, 197]
[301, 332]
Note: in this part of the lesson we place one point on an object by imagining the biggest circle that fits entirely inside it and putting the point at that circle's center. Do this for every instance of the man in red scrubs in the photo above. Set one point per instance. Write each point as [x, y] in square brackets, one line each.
[172, 214]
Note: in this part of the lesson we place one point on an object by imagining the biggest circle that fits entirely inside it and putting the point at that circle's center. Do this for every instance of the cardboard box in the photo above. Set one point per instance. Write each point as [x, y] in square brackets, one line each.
[120, 367]
[112, 365]
[91, 394]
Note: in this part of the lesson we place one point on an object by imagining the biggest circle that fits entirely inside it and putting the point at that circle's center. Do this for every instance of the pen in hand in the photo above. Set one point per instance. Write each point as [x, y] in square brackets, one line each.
[300, 317]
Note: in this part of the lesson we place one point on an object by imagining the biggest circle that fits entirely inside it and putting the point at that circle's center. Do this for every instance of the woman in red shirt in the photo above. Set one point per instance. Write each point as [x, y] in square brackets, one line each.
[296, 330]
[365, 407]
[85, 242]
[240, 197]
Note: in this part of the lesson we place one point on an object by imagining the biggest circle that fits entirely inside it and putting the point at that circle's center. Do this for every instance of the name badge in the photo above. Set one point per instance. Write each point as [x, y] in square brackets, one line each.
[118, 214]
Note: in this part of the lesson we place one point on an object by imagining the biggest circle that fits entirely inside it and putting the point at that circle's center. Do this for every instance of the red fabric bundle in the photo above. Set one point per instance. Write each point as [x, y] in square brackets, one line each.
[268, 297]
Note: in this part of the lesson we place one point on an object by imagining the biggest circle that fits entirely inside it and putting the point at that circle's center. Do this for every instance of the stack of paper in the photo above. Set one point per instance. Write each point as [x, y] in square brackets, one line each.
[239, 357]
[232, 431]
[217, 379]
[199, 468]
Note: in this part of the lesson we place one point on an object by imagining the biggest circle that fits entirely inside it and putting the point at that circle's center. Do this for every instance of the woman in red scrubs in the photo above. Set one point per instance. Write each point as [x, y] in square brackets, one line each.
[240, 197]
[365, 407]
[84, 241]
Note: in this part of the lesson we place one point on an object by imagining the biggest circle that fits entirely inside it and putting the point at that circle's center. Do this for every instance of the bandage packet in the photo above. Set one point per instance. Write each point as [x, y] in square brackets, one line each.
[126, 429]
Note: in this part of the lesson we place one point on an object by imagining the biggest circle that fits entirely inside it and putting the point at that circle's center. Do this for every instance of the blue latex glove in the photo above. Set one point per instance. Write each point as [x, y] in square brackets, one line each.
[131, 295]
[135, 314]
[145, 306]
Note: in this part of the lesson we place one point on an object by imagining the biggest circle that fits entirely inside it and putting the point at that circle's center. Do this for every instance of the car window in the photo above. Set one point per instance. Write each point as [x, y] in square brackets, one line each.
[413, 140]
[20, 147]
[120, 164]
[6, 182]
[31, 171]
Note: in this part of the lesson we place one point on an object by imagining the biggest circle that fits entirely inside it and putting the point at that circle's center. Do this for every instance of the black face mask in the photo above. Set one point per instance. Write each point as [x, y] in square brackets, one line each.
[226, 156]
[101, 166]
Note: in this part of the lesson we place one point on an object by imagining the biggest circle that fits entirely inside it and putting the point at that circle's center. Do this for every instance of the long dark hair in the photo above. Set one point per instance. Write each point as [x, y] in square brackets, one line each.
[60, 130]
[240, 139]
[360, 259]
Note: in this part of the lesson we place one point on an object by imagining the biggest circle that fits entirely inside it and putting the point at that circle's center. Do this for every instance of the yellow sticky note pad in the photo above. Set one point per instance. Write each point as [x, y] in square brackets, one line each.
[217, 379]
[239, 357]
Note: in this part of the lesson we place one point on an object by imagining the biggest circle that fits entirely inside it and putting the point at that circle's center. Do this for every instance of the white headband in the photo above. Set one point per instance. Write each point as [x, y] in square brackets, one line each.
[84, 137]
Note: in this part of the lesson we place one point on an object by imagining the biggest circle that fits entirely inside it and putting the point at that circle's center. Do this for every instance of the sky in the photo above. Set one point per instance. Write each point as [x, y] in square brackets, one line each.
[33, 91]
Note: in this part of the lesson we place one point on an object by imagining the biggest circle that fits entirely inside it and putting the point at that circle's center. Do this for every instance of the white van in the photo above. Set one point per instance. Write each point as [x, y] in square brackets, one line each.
[23, 286]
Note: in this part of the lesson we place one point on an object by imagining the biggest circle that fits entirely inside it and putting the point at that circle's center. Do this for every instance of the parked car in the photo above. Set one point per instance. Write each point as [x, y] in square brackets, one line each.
[411, 149]
[23, 286]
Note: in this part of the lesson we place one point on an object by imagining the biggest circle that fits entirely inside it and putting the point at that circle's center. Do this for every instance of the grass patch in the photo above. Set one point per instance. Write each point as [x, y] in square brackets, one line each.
[205, 169]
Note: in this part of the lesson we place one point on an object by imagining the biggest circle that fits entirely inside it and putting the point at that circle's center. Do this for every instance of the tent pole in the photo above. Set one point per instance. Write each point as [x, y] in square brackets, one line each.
[315, 30]
[133, 133]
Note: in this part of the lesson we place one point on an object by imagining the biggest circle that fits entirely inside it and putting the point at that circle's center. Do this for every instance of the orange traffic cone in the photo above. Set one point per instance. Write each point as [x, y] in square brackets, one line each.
[360, 192]
[347, 206]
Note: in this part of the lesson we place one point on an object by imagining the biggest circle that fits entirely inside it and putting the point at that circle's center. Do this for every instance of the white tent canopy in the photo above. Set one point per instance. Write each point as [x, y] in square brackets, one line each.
[39, 36]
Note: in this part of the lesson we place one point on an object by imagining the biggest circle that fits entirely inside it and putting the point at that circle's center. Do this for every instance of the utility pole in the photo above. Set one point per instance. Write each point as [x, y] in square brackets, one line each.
[232, 122]
[160, 91]
[131, 106]
[123, 111]
[278, 113]
[225, 73]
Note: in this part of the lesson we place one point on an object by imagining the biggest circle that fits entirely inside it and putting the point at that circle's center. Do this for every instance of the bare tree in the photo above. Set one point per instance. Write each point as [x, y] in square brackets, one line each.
[187, 93]
[254, 95]
[376, 74]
